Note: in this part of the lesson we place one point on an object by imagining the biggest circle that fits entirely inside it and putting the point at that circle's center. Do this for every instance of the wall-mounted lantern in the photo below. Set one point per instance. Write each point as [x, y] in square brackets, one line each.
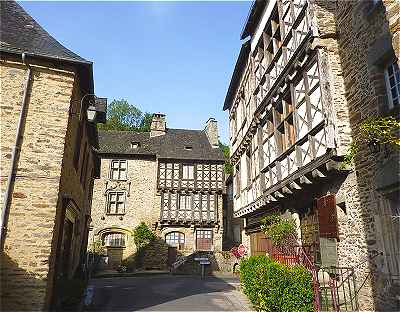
[96, 108]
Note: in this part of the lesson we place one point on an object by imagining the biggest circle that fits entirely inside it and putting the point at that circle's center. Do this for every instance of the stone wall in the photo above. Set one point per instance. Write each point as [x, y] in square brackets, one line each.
[355, 39]
[369, 38]
[142, 205]
[142, 201]
[30, 260]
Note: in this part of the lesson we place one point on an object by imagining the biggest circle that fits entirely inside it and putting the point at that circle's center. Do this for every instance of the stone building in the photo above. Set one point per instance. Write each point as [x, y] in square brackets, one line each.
[171, 179]
[308, 74]
[47, 161]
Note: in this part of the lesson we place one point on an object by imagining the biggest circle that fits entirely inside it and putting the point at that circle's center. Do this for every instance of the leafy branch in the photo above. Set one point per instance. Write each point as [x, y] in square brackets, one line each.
[375, 131]
[281, 231]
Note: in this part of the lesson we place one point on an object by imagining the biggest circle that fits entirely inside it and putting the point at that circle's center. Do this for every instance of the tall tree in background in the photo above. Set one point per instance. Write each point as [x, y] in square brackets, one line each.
[228, 168]
[124, 116]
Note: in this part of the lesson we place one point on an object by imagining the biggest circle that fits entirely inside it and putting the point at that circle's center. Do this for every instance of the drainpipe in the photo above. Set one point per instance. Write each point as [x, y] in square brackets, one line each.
[15, 156]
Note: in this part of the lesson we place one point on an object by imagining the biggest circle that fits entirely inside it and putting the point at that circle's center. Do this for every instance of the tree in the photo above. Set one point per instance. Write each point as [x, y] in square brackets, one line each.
[228, 168]
[121, 115]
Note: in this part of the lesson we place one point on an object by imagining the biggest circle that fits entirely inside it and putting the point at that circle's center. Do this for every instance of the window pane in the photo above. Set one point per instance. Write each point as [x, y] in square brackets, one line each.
[114, 174]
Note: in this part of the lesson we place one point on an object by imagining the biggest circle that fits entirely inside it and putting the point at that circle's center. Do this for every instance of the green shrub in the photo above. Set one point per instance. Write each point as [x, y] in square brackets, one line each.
[142, 235]
[271, 286]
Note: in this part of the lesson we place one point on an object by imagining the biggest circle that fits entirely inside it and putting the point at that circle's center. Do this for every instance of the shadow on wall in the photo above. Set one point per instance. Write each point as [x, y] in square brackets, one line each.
[20, 290]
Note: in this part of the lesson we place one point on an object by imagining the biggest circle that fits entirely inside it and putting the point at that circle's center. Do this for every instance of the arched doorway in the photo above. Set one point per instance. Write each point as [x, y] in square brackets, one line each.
[175, 241]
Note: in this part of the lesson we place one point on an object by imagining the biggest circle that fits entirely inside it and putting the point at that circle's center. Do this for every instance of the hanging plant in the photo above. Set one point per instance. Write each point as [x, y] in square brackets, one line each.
[374, 132]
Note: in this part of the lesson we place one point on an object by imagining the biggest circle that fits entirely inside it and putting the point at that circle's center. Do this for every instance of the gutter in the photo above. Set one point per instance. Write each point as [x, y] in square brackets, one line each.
[15, 155]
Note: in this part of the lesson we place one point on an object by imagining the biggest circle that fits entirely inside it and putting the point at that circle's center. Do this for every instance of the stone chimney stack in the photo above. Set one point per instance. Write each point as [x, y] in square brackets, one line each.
[211, 130]
[158, 125]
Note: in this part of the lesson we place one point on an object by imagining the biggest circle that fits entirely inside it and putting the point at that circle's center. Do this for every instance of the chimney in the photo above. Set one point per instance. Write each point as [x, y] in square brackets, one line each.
[211, 131]
[158, 125]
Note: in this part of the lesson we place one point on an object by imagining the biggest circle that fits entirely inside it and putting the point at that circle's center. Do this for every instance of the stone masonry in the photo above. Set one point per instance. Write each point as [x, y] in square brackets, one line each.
[45, 169]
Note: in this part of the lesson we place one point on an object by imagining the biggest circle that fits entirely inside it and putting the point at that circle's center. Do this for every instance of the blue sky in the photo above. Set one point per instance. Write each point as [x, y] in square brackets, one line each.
[170, 57]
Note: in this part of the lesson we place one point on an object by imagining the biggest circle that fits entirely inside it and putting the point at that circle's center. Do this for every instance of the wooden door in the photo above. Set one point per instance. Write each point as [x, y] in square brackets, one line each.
[260, 244]
[114, 256]
[172, 253]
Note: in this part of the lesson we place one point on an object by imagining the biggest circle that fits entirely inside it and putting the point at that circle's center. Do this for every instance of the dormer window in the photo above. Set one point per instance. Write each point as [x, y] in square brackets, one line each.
[135, 144]
[188, 148]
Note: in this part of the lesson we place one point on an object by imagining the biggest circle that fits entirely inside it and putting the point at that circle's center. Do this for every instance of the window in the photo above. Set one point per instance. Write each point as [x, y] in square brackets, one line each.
[116, 203]
[203, 239]
[114, 240]
[185, 201]
[392, 75]
[175, 239]
[248, 166]
[188, 148]
[118, 170]
[237, 179]
[187, 172]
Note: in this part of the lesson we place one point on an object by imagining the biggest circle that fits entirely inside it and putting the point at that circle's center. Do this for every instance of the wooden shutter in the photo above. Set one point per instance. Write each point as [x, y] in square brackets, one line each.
[327, 217]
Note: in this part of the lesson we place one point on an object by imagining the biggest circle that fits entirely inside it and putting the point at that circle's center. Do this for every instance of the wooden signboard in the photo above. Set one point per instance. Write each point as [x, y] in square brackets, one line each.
[327, 217]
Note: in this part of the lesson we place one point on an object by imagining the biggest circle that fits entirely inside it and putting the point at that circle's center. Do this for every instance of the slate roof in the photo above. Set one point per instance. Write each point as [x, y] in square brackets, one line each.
[171, 145]
[237, 74]
[19, 33]
[253, 18]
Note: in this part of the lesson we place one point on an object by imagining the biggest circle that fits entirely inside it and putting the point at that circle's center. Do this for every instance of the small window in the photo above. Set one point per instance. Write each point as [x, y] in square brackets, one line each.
[188, 148]
[114, 240]
[392, 75]
[118, 170]
[203, 239]
[185, 202]
[187, 172]
[135, 144]
[175, 239]
[116, 203]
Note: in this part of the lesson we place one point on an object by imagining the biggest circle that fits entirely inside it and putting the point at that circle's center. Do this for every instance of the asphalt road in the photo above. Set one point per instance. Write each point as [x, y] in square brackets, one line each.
[167, 293]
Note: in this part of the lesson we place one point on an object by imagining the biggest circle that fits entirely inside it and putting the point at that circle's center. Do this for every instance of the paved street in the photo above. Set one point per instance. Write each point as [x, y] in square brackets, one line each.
[167, 293]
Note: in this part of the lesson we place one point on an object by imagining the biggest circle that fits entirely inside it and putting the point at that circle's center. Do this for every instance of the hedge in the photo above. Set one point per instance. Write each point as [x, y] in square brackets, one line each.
[271, 286]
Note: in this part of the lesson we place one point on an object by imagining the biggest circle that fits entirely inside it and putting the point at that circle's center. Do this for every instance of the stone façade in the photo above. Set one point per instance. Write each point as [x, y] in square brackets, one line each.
[150, 193]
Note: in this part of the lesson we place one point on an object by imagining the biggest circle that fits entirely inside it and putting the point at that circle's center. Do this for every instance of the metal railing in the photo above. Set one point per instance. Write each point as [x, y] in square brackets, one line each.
[334, 288]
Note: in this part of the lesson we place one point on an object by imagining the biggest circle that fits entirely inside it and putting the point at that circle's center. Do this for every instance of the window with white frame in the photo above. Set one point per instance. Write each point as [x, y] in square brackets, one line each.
[118, 169]
[392, 76]
[175, 239]
[113, 239]
[116, 202]
[187, 172]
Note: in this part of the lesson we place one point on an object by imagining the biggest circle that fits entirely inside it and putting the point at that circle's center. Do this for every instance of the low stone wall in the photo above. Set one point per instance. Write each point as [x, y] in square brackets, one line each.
[221, 261]
[155, 256]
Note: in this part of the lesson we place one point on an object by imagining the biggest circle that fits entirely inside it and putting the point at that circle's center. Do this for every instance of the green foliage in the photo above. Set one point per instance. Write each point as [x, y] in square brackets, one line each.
[376, 130]
[271, 286]
[279, 230]
[228, 168]
[96, 247]
[122, 115]
[142, 236]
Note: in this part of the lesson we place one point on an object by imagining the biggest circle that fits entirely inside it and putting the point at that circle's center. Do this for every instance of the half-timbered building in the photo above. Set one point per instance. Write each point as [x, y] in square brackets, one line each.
[293, 102]
[171, 179]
